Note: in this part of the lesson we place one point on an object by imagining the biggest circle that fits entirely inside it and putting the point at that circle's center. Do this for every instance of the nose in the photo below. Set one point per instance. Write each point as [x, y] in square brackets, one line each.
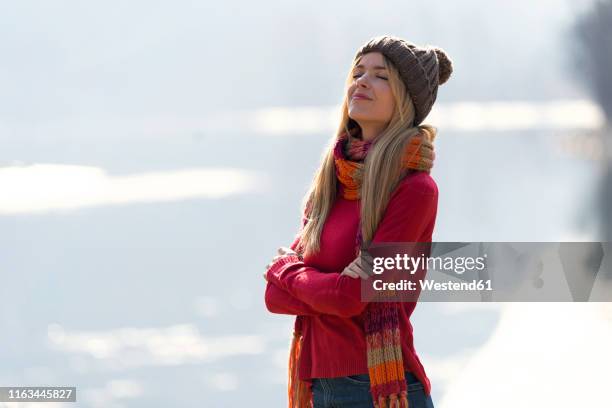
[360, 81]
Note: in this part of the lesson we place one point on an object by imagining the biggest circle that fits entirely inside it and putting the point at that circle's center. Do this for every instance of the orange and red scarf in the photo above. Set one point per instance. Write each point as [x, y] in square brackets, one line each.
[381, 324]
[350, 152]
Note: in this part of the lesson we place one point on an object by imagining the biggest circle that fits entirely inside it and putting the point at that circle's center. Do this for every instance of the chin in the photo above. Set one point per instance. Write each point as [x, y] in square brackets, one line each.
[364, 118]
[360, 116]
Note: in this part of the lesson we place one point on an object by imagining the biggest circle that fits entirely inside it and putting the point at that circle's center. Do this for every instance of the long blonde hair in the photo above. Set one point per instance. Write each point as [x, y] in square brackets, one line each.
[382, 169]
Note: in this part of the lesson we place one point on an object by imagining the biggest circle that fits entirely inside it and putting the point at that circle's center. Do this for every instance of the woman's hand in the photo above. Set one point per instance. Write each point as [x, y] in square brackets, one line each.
[282, 251]
[361, 267]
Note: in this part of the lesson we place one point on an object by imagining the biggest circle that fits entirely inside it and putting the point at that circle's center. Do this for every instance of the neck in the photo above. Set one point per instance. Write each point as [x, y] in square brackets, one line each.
[369, 131]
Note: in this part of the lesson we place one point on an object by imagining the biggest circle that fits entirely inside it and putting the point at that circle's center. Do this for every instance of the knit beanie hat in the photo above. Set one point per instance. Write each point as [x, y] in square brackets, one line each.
[422, 69]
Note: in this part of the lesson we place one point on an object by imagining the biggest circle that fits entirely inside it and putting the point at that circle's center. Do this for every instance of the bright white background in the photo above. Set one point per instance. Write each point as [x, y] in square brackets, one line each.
[153, 156]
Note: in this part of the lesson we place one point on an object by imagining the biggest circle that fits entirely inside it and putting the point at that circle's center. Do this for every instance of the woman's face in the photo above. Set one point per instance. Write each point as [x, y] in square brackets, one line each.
[370, 79]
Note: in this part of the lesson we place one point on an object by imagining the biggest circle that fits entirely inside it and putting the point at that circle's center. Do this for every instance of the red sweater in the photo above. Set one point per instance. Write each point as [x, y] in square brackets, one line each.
[328, 306]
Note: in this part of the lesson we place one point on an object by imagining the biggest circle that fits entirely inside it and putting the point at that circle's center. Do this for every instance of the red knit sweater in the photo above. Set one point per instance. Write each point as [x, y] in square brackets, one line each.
[328, 306]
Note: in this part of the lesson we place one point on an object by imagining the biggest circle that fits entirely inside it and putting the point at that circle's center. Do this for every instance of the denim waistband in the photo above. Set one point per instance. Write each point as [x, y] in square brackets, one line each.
[410, 377]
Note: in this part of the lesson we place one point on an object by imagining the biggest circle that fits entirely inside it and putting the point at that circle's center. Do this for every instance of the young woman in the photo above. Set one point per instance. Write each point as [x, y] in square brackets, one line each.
[373, 186]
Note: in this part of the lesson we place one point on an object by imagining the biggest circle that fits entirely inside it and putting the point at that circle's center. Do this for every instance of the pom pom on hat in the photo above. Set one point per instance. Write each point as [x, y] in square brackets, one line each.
[445, 65]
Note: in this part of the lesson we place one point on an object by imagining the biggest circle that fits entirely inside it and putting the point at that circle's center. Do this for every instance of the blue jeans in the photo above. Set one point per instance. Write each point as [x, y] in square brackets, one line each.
[354, 392]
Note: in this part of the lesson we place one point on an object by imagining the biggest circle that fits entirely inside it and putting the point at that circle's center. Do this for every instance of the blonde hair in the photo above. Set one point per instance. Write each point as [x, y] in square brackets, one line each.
[382, 169]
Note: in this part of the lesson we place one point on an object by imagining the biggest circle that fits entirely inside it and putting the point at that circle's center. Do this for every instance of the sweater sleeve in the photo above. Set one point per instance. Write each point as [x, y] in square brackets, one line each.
[411, 209]
[280, 301]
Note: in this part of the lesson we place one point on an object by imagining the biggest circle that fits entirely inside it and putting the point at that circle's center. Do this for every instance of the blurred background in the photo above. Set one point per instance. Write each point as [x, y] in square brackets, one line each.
[153, 156]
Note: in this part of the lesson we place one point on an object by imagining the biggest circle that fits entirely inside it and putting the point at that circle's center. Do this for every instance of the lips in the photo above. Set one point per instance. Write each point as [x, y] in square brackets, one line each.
[361, 96]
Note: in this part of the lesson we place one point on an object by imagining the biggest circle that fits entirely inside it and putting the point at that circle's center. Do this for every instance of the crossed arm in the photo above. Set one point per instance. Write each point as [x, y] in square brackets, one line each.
[297, 289]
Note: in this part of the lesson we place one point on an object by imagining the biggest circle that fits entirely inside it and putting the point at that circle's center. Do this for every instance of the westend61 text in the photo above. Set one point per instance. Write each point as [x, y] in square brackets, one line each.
[429, 284]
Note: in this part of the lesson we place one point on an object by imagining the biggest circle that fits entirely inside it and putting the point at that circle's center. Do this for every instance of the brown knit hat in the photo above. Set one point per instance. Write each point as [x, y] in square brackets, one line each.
[421, 68]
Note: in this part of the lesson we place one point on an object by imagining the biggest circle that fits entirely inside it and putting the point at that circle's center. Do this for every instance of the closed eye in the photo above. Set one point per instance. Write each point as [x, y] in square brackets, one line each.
[358, 75]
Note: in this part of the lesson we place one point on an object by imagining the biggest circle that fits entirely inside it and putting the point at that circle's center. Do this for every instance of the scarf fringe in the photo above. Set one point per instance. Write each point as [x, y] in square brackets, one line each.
[300, 394]
[393, 401]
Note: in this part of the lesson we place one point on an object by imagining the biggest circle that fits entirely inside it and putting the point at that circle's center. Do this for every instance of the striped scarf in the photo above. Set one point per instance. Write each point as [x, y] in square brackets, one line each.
[381, 323]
